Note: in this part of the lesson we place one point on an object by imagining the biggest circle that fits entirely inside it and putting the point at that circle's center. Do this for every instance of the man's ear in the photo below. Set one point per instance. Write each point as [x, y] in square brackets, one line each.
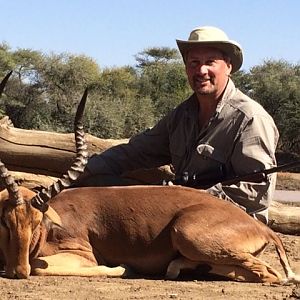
[229, 68]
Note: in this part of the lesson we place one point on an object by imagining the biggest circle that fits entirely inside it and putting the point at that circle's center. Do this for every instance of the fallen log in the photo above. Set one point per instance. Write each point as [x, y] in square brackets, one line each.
[42, 152]
[31, 181]
[285, 218]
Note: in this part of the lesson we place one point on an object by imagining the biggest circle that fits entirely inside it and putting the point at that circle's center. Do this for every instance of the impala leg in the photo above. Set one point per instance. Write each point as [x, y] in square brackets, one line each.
[234, 272]
[68, 264]
[246, 267]
[252, 272]
[178, 264]
[218, 250]
[229, 271]
[240, 267]
[265, 272]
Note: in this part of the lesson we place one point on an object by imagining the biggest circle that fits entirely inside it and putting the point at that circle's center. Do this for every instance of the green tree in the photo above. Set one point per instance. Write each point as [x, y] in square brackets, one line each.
[163, 79]
[6, 59]
[23, 92]
[116, 109]
[155, 55]
[64, 77]
[242, 81]
[275, 84]
[44, 89]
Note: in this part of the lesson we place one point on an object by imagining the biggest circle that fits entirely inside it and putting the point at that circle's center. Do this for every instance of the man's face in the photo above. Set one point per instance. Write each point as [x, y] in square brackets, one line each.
[207, 71]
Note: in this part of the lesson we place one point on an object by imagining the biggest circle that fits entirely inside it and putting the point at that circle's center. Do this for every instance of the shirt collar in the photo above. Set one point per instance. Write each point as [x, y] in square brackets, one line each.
[228, 92]
[194, 104]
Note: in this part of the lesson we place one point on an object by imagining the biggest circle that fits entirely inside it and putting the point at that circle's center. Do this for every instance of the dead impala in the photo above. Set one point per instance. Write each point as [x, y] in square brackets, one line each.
[153, 230]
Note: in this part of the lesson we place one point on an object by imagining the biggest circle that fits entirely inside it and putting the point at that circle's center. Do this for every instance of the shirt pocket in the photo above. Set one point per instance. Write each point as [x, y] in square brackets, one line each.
[210, 160]
[211, 153]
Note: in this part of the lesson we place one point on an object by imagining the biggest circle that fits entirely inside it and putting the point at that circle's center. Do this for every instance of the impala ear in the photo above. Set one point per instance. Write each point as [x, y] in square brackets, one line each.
[53, 216]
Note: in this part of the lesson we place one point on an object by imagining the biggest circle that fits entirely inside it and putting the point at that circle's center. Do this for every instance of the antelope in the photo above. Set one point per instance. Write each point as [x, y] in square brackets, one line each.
[117, 231]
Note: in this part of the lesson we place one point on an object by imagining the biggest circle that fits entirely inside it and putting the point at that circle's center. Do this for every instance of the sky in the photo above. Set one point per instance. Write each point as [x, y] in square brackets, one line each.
[112, 32]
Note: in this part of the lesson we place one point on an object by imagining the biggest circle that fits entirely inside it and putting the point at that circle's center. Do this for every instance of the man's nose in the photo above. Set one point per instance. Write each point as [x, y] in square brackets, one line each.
[201, 69]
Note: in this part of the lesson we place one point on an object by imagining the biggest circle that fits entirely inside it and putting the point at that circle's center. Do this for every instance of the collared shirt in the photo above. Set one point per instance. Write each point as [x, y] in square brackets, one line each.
[240, 138]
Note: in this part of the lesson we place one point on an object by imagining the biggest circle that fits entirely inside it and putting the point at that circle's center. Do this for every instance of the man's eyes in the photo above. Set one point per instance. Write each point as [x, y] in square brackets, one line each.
[193, 64]
[210, 62]
[196, 63]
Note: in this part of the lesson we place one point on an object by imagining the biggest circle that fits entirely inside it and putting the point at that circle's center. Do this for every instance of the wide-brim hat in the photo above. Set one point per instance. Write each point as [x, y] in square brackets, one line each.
[208, 36]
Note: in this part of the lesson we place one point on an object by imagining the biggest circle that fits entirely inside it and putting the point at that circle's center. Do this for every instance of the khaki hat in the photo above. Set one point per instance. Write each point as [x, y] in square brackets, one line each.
[209, 36]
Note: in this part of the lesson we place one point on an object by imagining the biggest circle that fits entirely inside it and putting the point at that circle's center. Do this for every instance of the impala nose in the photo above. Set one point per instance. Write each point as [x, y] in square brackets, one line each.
[22, 272]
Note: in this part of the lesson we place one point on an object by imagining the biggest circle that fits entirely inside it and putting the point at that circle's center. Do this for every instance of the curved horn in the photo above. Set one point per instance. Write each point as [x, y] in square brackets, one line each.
[40, 200]
[3, 82]
[7, 179]
[11, 186]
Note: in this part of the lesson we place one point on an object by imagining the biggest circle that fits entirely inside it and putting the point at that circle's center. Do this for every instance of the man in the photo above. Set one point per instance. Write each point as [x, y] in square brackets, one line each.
[218, 130]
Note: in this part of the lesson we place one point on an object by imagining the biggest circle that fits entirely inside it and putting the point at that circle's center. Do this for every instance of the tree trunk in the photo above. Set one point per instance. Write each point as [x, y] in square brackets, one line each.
[285, 218]
[42, 152]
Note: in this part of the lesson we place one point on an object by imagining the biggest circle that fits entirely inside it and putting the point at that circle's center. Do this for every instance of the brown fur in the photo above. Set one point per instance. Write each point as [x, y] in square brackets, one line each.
[153, 230]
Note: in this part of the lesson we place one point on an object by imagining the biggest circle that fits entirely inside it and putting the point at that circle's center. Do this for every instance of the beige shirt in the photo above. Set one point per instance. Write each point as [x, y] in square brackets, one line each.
[240, 138]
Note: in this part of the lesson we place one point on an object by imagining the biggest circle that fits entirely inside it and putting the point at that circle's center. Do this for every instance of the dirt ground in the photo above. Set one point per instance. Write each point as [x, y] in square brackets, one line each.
[81, 288]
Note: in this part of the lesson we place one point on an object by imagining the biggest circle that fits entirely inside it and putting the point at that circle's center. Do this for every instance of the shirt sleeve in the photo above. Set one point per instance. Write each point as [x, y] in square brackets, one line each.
[254, 151]
[148, 149]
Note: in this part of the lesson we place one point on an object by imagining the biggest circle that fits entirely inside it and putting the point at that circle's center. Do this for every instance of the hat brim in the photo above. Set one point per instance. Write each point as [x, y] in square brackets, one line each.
[231, 48]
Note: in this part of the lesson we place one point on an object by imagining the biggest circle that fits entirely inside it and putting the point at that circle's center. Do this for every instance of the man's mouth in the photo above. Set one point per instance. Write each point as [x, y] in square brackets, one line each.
[201, 81]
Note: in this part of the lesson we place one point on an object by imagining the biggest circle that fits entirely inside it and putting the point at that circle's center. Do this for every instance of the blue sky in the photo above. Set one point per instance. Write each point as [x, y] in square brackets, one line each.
[113, 31]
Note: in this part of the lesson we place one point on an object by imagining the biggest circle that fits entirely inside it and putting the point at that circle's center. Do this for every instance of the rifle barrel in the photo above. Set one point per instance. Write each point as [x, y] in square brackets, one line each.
[260, 176]
[283, 167]
[208, 180]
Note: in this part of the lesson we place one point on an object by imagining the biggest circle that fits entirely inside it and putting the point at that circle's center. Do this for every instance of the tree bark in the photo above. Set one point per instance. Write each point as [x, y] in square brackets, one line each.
[285, 218]
[42, 152]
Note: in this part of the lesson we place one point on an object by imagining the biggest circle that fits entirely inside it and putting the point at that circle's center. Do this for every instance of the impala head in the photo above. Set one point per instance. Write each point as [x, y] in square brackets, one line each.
[22, 210]
[19, 220]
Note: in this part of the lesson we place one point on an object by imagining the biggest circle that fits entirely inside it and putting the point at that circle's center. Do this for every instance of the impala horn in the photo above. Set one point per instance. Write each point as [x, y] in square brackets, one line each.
[3, 82]
[39, 201]
[11, 186]
[7, 179]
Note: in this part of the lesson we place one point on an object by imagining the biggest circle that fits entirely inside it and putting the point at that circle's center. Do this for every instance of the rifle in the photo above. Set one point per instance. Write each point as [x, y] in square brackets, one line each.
[208, 180]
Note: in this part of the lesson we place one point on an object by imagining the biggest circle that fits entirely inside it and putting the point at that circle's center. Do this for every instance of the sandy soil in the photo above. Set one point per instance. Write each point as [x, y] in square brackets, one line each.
[81, 288]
